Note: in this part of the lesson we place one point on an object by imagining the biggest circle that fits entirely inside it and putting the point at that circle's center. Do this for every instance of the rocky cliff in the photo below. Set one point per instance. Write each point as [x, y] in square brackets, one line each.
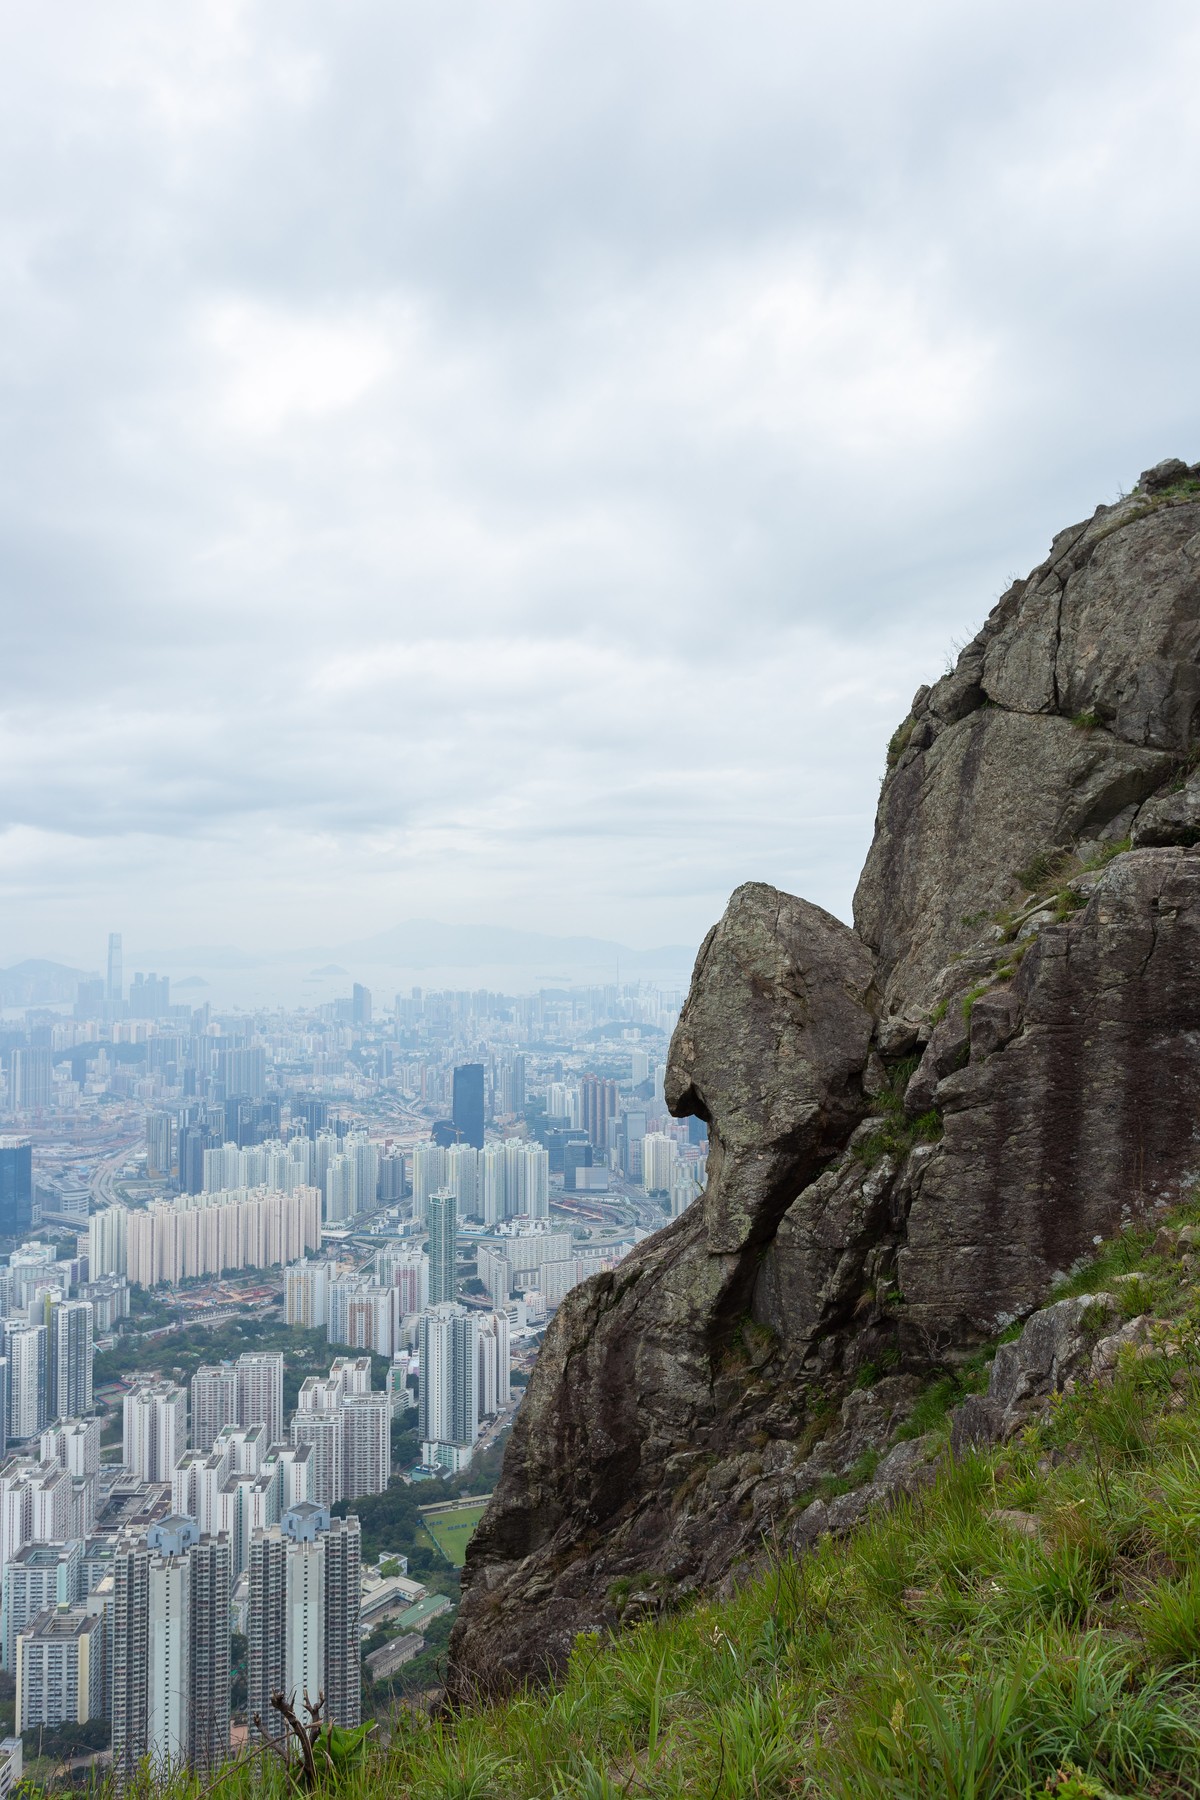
[915, 1126]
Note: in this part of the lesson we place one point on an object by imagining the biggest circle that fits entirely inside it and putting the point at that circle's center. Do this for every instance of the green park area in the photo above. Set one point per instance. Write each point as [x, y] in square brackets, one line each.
[451, 1527]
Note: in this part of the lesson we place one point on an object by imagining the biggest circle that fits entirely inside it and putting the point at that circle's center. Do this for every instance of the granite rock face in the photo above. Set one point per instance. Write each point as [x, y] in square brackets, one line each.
[914, 1126]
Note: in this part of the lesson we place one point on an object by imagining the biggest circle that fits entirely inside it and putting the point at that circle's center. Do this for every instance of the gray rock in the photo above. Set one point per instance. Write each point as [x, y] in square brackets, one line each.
[955, 827]
[661, 1436]
[1172, 818]
[770, 1049]
[1074, 1126]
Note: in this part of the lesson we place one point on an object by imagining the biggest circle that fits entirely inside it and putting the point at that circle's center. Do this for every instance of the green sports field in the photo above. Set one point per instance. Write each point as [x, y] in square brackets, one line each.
[451, 1529]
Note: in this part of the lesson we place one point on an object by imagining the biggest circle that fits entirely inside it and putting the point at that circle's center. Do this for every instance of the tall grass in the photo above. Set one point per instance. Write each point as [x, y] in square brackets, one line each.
[1028, 1624]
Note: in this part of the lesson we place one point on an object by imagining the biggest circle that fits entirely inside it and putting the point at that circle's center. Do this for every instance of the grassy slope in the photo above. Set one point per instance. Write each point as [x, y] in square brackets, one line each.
[943, 1650]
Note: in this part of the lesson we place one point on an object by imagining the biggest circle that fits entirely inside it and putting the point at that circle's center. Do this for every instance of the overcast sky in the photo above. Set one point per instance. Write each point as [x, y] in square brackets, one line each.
[514, 461]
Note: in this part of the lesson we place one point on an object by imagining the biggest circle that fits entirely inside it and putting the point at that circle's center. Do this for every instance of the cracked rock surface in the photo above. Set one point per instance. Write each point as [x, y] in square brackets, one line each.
[914, 1126]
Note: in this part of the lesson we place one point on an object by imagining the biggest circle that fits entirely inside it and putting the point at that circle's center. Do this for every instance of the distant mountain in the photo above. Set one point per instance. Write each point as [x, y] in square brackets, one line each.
[36, 982]
[422, 943]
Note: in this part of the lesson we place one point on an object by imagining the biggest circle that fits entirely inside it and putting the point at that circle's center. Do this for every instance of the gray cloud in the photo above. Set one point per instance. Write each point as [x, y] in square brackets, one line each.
[518, 462]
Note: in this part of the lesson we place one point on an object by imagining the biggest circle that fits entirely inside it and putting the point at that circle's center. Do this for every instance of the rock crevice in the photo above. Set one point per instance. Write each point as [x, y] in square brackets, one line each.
[915, 1125]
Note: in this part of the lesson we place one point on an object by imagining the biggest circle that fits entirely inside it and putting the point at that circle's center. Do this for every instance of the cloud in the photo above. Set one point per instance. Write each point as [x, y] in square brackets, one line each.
[517, 463]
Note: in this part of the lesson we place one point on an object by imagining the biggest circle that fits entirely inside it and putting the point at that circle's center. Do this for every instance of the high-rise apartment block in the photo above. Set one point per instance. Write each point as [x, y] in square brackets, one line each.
[306, 1294]
[59, 1666]
[443, 1245]
[304, 1615]
[260, 1391]
[599, 1101]
[171, 1643]
[214, 1402]
[31, 1081]
[69, 1358]
[448, 1353]
[154, 1429]
[348, 1430]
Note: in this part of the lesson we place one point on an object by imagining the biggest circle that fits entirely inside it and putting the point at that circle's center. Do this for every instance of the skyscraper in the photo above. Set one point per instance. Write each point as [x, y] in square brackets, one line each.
[598, 1100]
[360, 1005]
[25, 1349]
[160, 1134]
[304, 1615]
[32, 1085]
[214, 1402]
[260, 1391]
[467, 1106]
[170, 1688]
[16, 1186]
[449, 1398]
[69, 1354]
[155, 1429]
[115, 987]
[443, 1245]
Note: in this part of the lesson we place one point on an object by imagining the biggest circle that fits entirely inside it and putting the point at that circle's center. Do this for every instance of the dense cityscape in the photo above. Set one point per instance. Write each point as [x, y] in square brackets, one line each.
[378, 1208]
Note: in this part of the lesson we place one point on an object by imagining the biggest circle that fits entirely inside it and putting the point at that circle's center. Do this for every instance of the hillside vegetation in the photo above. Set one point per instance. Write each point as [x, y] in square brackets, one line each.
[1027, 1624]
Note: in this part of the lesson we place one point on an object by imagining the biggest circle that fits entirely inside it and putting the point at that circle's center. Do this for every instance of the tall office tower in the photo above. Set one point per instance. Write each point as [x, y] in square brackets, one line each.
[170, 1662]
[160, 1139]
[598, 1102]
[360, 1005]
[306, 1288]
[25, 1349]
[154, 1430]
[194, 1140]
[443, 1245]
[59, 1670]
[448, 1355]
[69, 1324]
[108, 1236]
[260, 1391]
[304, 1615]
[467, 1104]
[214, 1402]
[38, 1577]
[16, 1186]
[115, 986]
[366, 1445]
[495, 1364]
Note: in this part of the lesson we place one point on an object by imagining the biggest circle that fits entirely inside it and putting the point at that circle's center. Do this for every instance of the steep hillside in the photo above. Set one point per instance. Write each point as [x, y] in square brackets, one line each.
[1008, 1606]
[917, 1126]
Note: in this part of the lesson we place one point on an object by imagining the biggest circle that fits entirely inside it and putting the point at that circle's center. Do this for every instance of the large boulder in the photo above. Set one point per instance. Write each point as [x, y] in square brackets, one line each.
[1019, 1009]
[644, 1365]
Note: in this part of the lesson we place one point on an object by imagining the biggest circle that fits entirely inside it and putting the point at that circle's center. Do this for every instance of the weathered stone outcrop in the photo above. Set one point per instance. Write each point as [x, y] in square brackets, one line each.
[914, 1126]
